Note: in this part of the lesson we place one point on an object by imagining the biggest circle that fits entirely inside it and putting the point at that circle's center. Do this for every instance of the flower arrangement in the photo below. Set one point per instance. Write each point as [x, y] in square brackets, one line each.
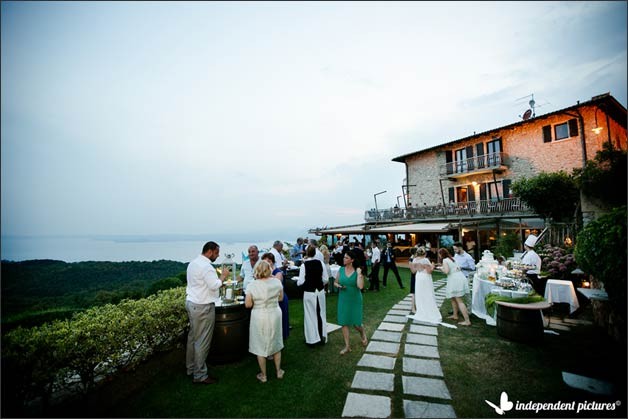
[557, 262]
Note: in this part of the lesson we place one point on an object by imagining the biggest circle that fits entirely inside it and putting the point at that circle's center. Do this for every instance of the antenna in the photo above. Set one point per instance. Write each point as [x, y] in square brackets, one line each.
[530, 113]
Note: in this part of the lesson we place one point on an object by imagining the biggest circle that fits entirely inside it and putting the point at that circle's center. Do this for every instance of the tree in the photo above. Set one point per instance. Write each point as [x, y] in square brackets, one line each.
[604, 177]
[551, 195]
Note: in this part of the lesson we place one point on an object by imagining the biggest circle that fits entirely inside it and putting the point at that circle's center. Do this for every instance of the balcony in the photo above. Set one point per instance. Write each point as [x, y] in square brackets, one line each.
[488, 163]
[488, 208]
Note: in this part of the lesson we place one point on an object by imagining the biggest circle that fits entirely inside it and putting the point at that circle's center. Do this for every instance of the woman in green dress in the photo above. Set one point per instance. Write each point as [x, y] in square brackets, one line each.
[350, 282]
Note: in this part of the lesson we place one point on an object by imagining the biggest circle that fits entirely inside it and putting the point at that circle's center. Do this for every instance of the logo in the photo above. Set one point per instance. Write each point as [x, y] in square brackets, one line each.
[504, 404]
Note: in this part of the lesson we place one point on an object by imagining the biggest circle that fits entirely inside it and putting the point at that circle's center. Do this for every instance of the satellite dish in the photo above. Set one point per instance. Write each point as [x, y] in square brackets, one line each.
[527, 114]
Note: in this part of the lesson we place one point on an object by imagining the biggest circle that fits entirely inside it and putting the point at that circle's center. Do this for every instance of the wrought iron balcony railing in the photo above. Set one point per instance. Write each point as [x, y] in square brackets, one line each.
[493, 207]
[477, 164]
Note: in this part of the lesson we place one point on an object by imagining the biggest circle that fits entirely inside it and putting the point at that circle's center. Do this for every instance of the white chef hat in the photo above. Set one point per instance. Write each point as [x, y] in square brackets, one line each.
[531, 240]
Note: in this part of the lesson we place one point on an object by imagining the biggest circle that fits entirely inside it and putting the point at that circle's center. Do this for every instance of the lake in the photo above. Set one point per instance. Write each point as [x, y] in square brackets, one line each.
[119, 248]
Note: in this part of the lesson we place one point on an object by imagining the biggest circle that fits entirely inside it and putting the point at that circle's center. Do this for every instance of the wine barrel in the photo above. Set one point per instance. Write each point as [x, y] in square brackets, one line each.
[230, 342]
[520, 322]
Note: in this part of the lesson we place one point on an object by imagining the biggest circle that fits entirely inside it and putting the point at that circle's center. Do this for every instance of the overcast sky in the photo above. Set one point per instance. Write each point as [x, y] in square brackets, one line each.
[225, 117]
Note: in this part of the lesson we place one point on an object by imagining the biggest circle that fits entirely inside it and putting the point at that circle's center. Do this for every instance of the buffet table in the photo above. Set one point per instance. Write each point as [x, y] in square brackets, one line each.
[230, 341]
[481, 288]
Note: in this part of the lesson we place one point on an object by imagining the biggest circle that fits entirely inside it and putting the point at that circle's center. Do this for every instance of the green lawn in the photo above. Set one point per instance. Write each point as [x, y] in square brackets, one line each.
[477, 365]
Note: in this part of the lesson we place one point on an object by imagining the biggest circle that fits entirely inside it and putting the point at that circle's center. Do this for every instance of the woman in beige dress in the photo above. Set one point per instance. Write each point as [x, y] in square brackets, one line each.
[265, 336]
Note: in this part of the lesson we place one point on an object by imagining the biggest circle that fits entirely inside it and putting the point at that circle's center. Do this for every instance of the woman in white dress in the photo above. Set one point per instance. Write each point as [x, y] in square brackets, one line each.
[265, 336]
[423, 300]
[457, 286]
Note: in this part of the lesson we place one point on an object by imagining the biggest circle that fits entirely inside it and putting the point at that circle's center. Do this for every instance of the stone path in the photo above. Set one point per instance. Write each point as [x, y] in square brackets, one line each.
[405, 354]
[413, 349]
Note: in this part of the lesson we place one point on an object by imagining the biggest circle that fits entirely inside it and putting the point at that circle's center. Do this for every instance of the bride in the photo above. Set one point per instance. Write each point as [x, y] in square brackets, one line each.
[424, 304]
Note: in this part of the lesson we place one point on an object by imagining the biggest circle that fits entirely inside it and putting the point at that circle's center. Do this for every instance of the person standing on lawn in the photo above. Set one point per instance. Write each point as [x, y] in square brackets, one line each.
[424, 304]
[283, 304]
[463, 259]
[457, 286]
[350, 282]
[313, 276]
[265, 338]
[375, 261]
[388, 259]
[202, 292]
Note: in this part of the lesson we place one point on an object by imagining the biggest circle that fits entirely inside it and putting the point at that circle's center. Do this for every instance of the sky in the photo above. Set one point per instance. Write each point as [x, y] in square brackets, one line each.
[148, 118]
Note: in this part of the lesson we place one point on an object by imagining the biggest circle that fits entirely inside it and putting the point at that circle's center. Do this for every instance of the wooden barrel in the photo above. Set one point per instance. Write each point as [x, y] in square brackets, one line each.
[521, 325]
[230, 341]
[290, 285]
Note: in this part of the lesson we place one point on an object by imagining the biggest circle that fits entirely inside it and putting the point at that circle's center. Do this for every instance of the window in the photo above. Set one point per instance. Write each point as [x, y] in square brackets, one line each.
[493, 152]
[561, 131]
[461, 160]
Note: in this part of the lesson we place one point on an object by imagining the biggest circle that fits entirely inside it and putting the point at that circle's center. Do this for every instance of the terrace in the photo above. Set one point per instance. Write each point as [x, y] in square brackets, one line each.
[487, 208]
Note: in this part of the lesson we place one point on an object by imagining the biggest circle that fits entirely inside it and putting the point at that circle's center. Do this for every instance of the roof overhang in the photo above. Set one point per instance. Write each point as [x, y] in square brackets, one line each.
[355, 229]
[412, 228]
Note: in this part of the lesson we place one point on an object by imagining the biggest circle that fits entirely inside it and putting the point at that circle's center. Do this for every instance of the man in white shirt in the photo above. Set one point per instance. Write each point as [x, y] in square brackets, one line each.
[246, 272]
[280, 260]
[463, 259]
[202, 292]
[375, 259]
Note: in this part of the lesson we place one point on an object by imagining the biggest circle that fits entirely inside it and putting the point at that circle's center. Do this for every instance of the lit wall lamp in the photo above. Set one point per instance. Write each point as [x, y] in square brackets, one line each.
[597, 129]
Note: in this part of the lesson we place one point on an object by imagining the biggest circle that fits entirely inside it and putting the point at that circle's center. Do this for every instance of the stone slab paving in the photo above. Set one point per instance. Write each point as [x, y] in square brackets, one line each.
[422, 366]
[393, 327]
[388, 336]
[377, 361]
[414, 409]
[425, 330]
[383, 347]
[367, 406]
[421, 351]
[398, 312]
[421, 339]
[429, 387]
[374, 381]
[395, 319]
[420, 357]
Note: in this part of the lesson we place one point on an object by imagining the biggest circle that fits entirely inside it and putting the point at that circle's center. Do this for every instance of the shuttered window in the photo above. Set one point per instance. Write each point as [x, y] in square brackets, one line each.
[506, 187]
[573, 127]
[452, 195]
[547, 134]
[479, 151]
[449, 159]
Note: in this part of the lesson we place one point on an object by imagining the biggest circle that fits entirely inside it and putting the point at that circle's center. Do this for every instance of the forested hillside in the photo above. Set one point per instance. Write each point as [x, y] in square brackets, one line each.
[35, 291]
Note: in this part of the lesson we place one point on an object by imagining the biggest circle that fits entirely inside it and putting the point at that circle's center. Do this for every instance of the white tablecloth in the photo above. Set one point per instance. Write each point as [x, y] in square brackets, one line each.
[481, 288]
[559, 291]
[334, 271]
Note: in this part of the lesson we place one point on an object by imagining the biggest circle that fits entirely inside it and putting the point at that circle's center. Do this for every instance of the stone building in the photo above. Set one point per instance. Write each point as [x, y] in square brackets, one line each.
[465, 184]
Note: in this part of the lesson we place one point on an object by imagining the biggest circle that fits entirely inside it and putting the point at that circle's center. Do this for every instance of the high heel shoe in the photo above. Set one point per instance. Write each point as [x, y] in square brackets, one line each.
[365, 341]
[280, 374]
[261, 377]
[345, 350]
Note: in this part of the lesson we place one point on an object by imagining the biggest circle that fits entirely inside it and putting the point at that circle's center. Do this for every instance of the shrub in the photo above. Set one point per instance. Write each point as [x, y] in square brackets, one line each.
[97, 342]
[558, 262]
[552, 195]
[601, 252]
[506, 243]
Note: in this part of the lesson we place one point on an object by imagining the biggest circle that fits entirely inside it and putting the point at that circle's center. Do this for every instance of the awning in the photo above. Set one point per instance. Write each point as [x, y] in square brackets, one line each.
[354, 229]
[412, 228]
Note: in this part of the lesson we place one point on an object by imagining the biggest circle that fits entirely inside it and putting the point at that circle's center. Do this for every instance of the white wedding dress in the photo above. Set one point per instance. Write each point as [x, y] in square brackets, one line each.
[426, 309]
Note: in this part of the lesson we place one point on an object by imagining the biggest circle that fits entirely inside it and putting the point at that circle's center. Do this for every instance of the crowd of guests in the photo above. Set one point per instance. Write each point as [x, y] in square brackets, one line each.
[263, 280]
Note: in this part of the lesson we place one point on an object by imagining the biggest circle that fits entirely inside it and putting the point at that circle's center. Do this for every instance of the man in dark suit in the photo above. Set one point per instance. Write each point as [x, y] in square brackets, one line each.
[388, 260]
